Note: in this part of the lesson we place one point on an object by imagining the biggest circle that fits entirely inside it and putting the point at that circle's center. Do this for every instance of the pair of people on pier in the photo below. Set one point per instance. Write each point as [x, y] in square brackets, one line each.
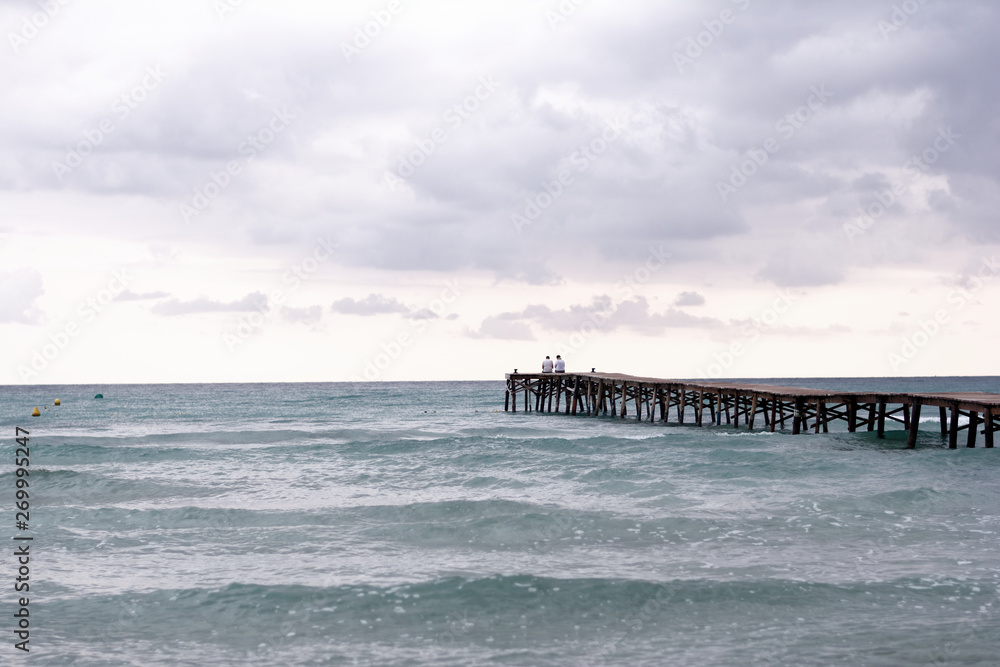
[559, 366]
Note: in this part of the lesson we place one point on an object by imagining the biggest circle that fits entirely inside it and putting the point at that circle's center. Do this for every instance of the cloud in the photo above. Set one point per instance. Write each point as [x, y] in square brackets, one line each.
[502, 327]
[18, 292]
[422, 314]
[636, 315]
[373, 304]
[129, 295]
[311, 315]
[801, 267]
[569, 319]
[251, 302]
[601, 313]
[689, 299]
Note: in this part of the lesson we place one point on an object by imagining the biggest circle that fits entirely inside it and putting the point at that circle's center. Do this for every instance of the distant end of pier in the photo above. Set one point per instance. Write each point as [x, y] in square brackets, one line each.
[709, 403]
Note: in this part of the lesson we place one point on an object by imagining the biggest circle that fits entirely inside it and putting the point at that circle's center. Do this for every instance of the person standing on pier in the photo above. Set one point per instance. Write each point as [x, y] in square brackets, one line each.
[547, 365]
[560, 364]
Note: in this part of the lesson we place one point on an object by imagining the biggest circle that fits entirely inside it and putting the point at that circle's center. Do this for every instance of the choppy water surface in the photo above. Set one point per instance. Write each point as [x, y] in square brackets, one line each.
[411, 524]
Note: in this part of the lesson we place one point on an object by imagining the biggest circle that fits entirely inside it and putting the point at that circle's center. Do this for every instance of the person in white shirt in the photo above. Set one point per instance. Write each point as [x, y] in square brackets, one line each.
[560, 364]
[547, 365]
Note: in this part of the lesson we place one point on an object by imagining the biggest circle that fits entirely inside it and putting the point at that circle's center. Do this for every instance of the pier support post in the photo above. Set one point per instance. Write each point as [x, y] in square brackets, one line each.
[881, 419]
[953, 431]
[988, 421]
[820, 413]
[681, 406]
[797, 416]
[944, 421]
[774, 406]
[871, 417]
[911, 441]
[699, 408]
[506, 401]
[906, 416]
[852, 416]
[753, 413]
[973, 429]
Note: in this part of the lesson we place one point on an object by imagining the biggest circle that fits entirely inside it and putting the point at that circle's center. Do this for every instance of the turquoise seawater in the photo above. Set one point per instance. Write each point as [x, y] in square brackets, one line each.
[415, 524]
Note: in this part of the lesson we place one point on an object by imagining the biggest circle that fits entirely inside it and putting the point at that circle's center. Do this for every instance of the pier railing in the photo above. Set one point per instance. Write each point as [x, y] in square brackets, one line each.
[705, 403]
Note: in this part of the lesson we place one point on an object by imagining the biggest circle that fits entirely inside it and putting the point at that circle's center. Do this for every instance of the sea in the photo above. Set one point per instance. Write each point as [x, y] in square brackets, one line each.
[420, 524]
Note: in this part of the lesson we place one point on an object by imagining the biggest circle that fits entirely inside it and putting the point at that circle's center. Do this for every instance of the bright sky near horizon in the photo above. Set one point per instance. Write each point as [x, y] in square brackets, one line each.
[253, 190]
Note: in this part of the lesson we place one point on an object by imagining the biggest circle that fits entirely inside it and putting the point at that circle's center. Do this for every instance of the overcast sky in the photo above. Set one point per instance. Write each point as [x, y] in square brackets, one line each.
[226, 190]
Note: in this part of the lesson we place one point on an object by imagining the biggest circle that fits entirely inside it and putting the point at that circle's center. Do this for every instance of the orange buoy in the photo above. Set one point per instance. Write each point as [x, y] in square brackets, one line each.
[58, 402]
[36, 413]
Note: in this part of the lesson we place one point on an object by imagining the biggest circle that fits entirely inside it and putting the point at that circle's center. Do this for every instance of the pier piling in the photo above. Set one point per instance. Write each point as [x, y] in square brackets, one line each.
[596, 394]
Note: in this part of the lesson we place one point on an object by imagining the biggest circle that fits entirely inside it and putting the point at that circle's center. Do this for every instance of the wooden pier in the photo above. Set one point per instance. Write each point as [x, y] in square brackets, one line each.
[709, 403]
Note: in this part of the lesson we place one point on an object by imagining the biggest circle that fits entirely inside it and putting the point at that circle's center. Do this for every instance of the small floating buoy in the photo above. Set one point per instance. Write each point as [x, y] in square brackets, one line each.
[99, 396]
[36, 413]
[58, 402]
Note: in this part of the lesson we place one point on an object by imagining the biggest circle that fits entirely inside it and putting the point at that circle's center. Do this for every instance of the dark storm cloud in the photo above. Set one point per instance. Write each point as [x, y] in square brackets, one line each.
[848, 92]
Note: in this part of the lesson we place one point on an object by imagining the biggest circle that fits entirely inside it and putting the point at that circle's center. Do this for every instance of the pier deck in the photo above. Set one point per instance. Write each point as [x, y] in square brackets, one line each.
[617, 394]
